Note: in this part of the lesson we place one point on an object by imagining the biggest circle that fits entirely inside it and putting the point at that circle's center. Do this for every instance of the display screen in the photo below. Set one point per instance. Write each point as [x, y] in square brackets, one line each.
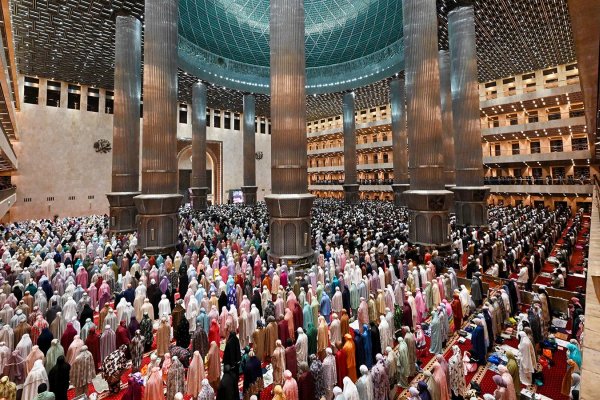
[238, 196]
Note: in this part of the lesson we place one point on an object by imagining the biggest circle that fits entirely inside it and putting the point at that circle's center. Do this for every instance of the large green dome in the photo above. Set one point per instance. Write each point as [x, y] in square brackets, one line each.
[349, 43]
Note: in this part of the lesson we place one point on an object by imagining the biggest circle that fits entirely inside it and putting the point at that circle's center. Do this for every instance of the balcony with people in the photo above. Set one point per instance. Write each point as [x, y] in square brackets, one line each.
[553, 180]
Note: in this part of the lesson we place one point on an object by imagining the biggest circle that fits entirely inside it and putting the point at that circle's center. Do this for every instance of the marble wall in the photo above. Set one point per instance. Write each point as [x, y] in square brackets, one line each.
[61, 174]
[233, 174]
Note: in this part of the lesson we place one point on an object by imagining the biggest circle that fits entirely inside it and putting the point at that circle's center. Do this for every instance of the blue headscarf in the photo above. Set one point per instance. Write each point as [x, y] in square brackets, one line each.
[574, 353]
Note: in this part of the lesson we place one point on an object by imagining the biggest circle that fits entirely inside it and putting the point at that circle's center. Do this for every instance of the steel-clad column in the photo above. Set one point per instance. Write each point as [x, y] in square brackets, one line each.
[249, 132]
[399, 140]
[447, 124]
[427, 200]
[198, 188]
[126, 124]
[351, 195]
[290, 204]
[159, 202]
[470, 196]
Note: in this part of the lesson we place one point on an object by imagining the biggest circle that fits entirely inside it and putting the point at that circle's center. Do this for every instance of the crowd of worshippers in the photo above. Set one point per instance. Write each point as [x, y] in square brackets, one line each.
[76, 302]
[519, 241]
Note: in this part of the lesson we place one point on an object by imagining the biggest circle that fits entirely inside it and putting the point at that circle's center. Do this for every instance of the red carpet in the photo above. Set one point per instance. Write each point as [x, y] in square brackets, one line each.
[553, 376]
[571, 282]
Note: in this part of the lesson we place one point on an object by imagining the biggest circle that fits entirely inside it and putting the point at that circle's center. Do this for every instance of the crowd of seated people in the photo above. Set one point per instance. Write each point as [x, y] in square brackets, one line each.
[360, 182]
[531, 180]
[376, 181]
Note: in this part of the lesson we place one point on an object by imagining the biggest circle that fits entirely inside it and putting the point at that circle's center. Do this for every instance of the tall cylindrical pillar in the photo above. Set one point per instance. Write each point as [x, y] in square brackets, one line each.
[428, 201]
[290, 204]
[399, 140]
[351, 187]
[249, 132]
[126, 124]
[470, 195]
[159, 202]
[198, 188]
[447, 124]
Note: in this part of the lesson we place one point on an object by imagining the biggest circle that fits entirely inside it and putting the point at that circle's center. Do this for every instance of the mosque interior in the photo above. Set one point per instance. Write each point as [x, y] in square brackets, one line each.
[297, 199]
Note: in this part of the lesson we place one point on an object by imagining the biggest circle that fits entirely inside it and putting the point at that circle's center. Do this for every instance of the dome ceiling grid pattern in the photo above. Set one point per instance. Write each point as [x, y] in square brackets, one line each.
[196, 25]
[337, 31]
[73, 40]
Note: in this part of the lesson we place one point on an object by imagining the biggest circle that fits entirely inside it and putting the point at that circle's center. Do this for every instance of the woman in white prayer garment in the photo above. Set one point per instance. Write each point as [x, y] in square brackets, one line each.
[35, 378]
[527, 362]
[350, 390]
[164, 306]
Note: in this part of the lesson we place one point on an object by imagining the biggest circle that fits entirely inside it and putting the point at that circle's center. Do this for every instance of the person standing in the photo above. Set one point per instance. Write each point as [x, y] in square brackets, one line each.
[213, 366]
[36, 377]
[175, 378]
[82, 371]
[290, 386]
[154, 385]
[350, 354]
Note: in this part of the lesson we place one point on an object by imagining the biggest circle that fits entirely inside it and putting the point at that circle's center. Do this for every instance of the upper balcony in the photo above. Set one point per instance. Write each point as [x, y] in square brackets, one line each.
[580, 190]
[385, 145]
[8, 197]
[552, 124]
[580, 185]
[366, 147]
[538, 154]
[375, 167]
[329, 150]
[337, 129]
[530, 94]
[328, 168]
[339, 188]
[359, 167]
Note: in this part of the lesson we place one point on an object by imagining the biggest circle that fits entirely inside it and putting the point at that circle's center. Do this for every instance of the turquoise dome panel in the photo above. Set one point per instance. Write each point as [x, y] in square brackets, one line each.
[228, 41]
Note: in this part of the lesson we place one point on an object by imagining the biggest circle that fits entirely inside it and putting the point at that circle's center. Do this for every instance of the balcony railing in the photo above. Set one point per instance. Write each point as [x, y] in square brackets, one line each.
[513, 151]
[328, 182]
[534, 119]
[360, 145]
[509, 91]
[360, 182]
[337, 129]
[531, 180]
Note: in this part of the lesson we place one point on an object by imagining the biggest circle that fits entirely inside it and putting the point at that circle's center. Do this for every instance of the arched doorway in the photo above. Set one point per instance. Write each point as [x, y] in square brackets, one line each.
[184, 166]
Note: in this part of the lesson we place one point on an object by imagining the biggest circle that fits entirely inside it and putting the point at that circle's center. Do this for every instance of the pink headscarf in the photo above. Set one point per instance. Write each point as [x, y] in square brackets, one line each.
[439, 376]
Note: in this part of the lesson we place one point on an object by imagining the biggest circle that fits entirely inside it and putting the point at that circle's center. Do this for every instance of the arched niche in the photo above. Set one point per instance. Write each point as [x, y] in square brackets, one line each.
[184, 167]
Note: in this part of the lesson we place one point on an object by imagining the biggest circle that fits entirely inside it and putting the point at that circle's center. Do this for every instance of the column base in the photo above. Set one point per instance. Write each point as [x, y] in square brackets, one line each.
[249, 195]
[470, 204]
[157, 222]
[399, 189]
[429, 217]
[351, 193]
[198, 198]
[290, 240]
[122, 212]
